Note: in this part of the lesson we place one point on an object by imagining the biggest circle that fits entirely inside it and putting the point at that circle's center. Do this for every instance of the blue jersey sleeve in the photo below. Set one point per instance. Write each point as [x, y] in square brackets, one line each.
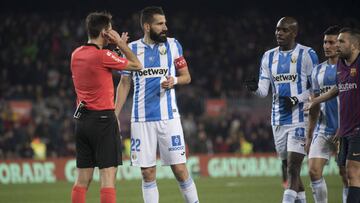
[315, 87]
[179, 48]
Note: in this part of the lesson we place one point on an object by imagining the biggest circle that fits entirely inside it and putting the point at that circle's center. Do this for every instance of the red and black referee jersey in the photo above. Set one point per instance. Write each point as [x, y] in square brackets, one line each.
[92, 76]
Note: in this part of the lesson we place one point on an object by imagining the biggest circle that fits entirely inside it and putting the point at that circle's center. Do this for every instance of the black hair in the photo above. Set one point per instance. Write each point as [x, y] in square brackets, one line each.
[332, 30]
[97, 21]
[146, 15]
[354, 33]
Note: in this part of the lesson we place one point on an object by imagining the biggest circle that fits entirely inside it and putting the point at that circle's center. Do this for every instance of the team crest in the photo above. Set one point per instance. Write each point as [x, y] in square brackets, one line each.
[293, 59]
[162, 50]
[133, 157]
[353, 72]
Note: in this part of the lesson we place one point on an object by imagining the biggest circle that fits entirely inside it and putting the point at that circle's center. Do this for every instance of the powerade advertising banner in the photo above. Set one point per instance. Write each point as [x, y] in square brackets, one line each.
[226, 165]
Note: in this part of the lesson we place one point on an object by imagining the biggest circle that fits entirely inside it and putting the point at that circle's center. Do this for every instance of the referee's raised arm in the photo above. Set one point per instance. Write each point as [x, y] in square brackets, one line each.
[121, 42]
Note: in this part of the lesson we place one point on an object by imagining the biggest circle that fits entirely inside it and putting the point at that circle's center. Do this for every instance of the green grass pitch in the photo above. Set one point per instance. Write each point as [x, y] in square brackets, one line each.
[211, 190]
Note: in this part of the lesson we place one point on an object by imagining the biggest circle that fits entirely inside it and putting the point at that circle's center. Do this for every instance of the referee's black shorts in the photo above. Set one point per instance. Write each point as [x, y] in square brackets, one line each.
[349, 149]
[98, 142]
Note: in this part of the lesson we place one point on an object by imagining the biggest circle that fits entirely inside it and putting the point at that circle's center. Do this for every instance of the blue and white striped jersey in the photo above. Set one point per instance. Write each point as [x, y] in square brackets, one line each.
[289, 74]
[150, 101]
[323, 79]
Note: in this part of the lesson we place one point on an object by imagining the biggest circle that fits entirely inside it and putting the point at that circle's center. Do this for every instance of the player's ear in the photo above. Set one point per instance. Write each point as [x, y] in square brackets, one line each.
[103, 33]
[146, 27]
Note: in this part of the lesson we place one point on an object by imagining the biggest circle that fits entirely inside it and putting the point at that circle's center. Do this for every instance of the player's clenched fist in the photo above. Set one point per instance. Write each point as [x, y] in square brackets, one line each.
[168, 83]
[251, 84]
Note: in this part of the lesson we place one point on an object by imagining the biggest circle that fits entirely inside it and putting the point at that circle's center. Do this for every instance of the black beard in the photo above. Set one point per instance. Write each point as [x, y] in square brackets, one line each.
[345, 56]
[157, 37]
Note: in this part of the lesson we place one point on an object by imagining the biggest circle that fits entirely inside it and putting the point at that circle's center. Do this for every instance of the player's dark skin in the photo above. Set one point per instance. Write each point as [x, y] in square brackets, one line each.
[285, 33]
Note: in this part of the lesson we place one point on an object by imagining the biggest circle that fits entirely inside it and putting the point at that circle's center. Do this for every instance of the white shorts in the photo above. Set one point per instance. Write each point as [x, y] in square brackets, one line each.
[321, 146]
[289, 138]
[146, 136]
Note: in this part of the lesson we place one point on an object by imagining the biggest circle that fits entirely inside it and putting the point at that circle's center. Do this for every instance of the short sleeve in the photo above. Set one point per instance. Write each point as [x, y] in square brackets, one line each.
[112, 60]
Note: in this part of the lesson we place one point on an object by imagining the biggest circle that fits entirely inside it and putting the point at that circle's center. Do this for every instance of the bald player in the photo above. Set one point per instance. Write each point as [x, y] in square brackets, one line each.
[287, 68]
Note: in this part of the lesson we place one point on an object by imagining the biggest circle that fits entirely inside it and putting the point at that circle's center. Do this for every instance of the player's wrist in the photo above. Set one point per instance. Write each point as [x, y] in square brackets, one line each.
[175, 80]
[121, 45]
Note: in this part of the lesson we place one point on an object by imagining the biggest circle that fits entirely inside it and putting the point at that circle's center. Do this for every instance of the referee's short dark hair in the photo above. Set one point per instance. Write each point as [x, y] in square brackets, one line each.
[97, 21]
[146, 15]
[332, 30]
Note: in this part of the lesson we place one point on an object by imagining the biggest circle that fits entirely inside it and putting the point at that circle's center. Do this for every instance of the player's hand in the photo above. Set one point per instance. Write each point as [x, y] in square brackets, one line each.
[168, 83]
[336, 141]
[290, 102]
[112, 36]
[307, 145]
[115, 38]
[124, 37]
[251, 84]
[309, 105]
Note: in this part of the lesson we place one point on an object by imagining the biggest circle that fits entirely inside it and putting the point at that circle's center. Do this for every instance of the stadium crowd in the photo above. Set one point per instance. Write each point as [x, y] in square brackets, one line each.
[35, 67]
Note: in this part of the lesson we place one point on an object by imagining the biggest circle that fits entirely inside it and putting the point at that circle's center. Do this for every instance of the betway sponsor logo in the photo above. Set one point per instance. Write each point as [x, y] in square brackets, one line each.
[347, 86]
[285, 78]
[325, 89]
[152, 72]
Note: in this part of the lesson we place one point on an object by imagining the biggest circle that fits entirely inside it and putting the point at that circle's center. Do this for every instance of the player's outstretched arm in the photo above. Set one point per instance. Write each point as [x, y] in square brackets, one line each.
[251, 84]
[263, 87]
[313, 117]
[333, 92]
[122, 92]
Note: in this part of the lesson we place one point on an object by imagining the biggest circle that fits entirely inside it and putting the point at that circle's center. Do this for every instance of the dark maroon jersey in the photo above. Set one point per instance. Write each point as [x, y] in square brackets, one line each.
[348, 83]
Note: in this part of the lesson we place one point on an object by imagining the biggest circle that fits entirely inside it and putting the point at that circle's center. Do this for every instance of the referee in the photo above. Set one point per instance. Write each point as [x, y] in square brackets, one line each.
[98, 142]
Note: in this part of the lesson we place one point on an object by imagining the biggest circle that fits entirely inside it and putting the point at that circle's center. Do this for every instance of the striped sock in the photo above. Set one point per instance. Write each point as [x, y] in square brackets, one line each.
[289, 196]
[319, 190]
[300, 198]
[188, 190]
[150, 192]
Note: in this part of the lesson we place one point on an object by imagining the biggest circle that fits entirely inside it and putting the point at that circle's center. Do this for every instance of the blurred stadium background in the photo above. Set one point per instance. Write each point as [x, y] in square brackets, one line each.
[228, 132]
